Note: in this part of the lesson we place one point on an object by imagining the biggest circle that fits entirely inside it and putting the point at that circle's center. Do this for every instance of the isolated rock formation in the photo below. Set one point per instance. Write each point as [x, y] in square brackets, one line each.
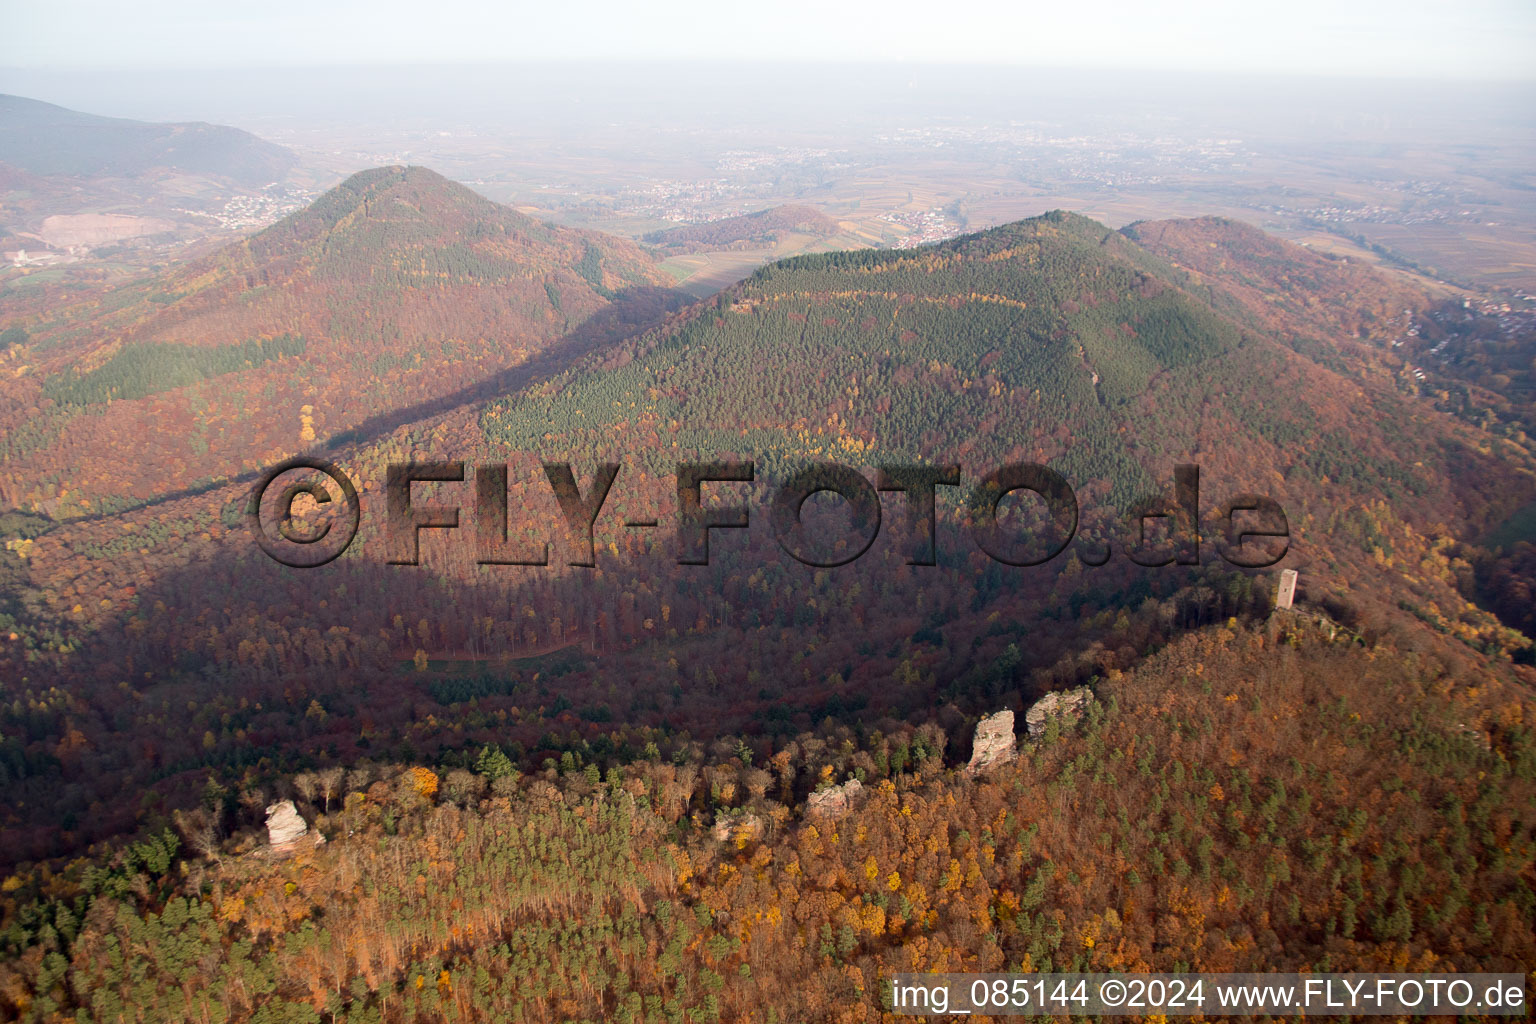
[284, 825]
[835, 800]
[1064, 703]
[994, 743]
[744, 825]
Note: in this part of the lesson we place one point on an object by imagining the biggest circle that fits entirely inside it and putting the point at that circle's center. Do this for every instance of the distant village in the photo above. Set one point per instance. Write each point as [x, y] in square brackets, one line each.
[922, 227]
[241, 213]
[257, 210]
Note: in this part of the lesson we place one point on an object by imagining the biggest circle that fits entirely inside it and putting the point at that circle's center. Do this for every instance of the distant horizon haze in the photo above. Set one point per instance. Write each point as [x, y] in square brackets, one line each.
[563, 95]
[1475, 40]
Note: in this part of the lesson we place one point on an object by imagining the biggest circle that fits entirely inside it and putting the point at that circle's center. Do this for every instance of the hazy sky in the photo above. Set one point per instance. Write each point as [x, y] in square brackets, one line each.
[1410, 38]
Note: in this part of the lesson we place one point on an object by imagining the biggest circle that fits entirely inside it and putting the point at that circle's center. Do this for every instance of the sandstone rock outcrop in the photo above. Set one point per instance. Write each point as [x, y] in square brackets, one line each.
[744, 825]
[1063, 703]
[994, 743]
[835, 800]
[284, 825]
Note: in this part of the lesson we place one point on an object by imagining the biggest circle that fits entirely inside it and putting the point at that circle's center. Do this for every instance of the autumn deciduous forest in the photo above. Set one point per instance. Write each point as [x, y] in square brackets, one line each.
[1221, 807]
[614, 786]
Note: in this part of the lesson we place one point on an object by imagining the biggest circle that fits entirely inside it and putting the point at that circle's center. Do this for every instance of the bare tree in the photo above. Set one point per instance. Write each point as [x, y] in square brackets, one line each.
[359, 777]
[330, 783]
[306, 784]
[758, 782]
[200, 831]
[464, 787]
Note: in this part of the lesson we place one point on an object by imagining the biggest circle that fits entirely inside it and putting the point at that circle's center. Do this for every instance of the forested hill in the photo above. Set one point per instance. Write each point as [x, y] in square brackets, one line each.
[45, 139]
[1324, 303]
[394, 289]
[1053, 340]
[762, 227]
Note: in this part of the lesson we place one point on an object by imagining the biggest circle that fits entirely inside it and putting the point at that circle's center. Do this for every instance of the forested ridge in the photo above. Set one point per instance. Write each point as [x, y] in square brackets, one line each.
[166, 621]
[576, 793]
[1053, 340]
[43, 139]
[406, 289]
[1230, 805]
[758, 228]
